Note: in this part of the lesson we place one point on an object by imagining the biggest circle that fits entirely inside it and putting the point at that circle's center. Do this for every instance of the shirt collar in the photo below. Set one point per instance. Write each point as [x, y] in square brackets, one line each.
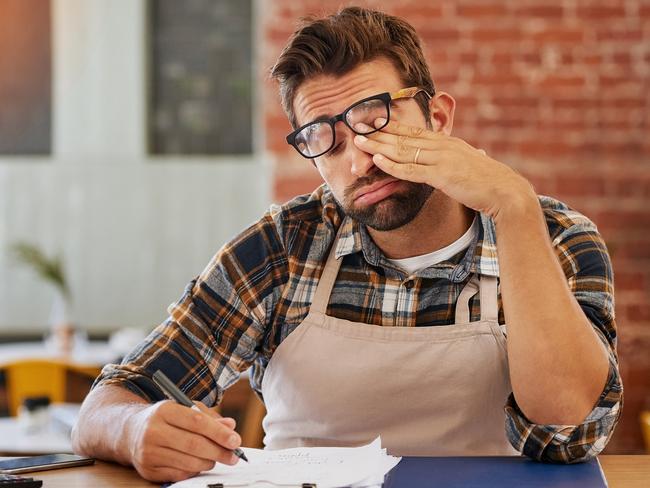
[480, 257]
[349, 238]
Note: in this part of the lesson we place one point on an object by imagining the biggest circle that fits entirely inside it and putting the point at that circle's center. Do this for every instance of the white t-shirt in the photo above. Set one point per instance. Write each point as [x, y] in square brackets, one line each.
[416, 263]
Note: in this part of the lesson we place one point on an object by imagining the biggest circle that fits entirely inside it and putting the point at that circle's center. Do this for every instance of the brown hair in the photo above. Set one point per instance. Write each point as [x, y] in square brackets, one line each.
[336, 44]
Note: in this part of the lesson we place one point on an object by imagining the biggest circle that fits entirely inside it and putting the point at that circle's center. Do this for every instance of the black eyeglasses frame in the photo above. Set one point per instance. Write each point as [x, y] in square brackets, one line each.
[385, 97]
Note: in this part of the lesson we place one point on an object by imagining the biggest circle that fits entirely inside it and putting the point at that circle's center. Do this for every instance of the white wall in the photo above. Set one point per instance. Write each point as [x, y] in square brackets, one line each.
[133, 229]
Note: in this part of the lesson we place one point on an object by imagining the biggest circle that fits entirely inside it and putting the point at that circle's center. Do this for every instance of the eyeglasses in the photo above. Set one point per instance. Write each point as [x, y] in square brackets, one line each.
[318, 137]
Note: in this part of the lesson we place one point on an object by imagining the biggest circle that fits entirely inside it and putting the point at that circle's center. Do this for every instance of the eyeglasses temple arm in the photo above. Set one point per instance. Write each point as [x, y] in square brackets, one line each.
[408, 93]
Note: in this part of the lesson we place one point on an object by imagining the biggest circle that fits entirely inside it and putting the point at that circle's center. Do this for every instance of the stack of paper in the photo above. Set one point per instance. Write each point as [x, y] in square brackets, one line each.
[326, 467]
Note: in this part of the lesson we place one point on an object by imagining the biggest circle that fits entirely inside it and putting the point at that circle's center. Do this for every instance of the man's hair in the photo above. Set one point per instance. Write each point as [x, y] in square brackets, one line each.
[337, 44]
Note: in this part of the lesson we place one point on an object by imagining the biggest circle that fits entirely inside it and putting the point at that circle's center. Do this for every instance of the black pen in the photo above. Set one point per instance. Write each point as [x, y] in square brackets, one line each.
[173, 392]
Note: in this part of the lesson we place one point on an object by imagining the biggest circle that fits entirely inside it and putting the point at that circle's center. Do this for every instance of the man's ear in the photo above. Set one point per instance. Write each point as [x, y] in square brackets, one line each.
[442, 106]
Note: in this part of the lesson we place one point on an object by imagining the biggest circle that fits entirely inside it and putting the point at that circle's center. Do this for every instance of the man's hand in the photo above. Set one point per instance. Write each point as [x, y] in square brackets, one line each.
[170, 442]
[451, 165]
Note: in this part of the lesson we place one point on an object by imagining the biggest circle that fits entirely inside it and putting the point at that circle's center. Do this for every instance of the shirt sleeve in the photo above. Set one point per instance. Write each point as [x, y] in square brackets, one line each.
[216, 329]
[586, 264]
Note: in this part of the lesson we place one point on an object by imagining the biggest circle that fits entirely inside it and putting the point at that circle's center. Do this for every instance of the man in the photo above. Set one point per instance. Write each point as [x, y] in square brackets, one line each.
[416, 293]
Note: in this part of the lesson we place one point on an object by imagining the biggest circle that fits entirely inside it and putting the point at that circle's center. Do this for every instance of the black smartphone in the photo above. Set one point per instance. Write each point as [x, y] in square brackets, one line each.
[42, 463]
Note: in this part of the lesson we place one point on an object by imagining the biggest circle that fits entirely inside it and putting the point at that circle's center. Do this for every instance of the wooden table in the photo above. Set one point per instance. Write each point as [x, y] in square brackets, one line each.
[626, 471]
[620, 471]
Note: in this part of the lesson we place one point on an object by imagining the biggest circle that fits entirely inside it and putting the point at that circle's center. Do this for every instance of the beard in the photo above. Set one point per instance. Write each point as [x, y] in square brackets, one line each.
[392, 212]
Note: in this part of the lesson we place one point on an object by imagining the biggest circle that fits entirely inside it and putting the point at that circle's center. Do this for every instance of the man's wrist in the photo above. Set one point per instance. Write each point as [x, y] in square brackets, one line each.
[124, 443]
[518, 206]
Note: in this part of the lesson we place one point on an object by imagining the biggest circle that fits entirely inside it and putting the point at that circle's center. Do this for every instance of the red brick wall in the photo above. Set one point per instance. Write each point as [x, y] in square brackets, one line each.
[560, 91]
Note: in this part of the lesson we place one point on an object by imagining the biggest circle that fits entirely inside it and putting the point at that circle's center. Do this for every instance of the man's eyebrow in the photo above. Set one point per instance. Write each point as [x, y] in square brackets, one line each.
[319, 118]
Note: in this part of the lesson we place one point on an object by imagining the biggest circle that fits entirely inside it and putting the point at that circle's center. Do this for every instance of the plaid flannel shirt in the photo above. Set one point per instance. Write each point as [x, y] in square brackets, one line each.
[259, 287]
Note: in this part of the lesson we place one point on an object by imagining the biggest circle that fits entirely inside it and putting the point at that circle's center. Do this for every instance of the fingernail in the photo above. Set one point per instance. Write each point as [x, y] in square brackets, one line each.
[377, 157]
[361, 138]
[380, 121]
[233, 441]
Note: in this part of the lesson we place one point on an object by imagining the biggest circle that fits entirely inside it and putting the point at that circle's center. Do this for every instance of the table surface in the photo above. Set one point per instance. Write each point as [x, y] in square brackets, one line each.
[620, 471]
[16, 440]
[19, 439]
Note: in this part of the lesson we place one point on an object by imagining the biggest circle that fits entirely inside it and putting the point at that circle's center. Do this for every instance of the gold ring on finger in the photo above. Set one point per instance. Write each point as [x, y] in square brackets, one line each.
[417, 155]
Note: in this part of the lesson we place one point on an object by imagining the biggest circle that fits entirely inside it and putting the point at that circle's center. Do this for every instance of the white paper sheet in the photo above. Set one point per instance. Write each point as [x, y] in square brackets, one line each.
[328, 467]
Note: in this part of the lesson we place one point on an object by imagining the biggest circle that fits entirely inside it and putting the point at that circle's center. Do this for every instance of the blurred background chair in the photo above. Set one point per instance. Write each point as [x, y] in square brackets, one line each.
[60, 381]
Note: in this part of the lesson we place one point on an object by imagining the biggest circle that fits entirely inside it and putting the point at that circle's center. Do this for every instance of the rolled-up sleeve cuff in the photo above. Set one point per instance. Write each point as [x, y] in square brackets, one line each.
[568, 443]
[130, 378]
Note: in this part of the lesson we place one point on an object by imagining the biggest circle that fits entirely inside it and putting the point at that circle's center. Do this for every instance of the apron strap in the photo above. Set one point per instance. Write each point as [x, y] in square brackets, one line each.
[489, 299]
[327, 279]
[462, 304]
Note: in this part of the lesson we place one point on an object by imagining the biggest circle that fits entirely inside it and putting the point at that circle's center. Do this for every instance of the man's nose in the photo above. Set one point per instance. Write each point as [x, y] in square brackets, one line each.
[361, 163]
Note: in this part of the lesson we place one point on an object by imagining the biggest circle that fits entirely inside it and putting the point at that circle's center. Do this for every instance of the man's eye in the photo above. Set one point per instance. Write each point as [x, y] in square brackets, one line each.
[335, 150]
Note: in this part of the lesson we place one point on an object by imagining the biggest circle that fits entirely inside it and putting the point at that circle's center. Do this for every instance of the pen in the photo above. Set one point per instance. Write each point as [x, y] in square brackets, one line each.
[172, 391]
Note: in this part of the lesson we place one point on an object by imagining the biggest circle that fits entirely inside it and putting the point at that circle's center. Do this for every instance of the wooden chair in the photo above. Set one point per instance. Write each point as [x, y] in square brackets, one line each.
[59, 380]
[645, 429]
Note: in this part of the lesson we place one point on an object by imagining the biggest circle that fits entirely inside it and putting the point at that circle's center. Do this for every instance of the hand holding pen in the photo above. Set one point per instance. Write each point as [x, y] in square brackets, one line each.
[172, 391]
[168, 441]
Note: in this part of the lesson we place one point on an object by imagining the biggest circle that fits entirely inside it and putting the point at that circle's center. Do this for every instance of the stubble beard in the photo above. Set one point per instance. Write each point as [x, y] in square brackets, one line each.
[392, 212]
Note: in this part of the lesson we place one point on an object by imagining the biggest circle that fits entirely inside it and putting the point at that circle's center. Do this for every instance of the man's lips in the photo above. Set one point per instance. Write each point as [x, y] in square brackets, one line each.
[376, 192]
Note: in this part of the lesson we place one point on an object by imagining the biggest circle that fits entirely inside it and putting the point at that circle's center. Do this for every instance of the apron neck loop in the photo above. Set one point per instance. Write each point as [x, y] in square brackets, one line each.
[487, 285]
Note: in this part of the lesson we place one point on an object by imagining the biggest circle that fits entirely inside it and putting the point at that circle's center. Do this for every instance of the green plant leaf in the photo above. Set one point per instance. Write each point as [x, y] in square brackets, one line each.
[51, 269]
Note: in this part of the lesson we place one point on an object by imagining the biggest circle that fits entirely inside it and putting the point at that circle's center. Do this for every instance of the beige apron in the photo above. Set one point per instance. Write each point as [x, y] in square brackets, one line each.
[428, 391]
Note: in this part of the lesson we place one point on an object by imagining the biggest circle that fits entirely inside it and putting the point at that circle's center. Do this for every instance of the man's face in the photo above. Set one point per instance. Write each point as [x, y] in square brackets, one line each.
[365, 193]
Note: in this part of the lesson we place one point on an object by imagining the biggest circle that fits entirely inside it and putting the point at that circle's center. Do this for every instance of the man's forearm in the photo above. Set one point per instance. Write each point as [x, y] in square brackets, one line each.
[102, 430]
[558, 365]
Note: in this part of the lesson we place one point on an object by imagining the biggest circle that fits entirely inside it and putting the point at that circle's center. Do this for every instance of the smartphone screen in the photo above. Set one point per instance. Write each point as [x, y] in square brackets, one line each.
[42, 463]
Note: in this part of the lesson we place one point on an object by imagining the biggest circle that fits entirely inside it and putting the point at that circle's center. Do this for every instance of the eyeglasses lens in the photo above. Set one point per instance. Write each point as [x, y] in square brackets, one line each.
[315, 139]
[365, 114]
